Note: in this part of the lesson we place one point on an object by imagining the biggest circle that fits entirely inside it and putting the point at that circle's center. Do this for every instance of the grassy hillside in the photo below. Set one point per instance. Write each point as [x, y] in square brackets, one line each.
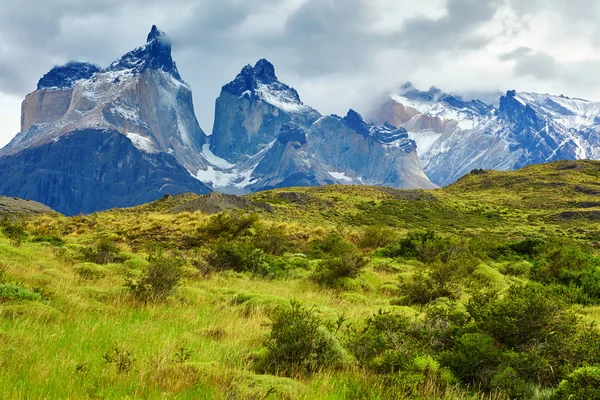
[486, 289]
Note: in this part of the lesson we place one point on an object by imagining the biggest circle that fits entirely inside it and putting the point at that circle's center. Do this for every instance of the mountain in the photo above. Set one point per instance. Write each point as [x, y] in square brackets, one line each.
[265, 137]
[93, 138]
[455, 136]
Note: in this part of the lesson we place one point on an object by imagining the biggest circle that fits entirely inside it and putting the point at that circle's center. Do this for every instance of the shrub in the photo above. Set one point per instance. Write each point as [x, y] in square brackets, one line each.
[52, 240]
[272, 240]
[519, 268]
[427, 247]
[334, 269]
[90, 271]
[103, 251]
[239, 257]
[582, 384]
[229, 225]
[473, 359]
[331, 245]
[512, 383]
[385, 344]
[300, 343]
[120, 357]
[527, 315]
[440, 280]
[14, 230]
[159, 280]
[375, 237]
[15, 292]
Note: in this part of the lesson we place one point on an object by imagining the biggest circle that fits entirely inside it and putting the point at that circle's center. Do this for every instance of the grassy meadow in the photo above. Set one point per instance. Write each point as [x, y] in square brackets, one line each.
[486, 289]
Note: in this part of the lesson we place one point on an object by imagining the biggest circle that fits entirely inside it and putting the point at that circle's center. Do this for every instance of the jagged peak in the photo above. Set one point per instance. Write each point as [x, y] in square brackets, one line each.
[155, 54]
[155, 33]
[260, 82]
[65, 76]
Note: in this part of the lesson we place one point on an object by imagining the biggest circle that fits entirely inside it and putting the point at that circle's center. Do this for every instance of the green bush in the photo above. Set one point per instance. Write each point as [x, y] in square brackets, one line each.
[15, 292]
[229, 225]
[439, 280]
[334, 269]
[332, 245]
[52, 240]
[528, 315]
[375, 237]
[272, 240]
[103, 251]
[385, 344]
[14, 229]
[427, 247]
[159, 280]
[473, 359]
[299, 342]
[238, 257]
[512, 384]
[519, 268]
[582, 384]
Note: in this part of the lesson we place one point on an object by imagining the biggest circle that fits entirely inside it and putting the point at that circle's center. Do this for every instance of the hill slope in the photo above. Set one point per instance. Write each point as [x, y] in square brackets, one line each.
[165, 300]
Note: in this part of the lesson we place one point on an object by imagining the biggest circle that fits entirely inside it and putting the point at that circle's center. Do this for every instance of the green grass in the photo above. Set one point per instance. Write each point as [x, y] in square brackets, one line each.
[66, 314]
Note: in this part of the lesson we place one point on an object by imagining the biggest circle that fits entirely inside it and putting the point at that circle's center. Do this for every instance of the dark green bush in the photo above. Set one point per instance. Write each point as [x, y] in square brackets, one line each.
[511, 383]
[332, 245]
[473, 359]
[239, 257]
[527, 315]
[272, 240]
[52, 240]
[440, 279]
[299, 343]
[582, 384]
[385, 345]
[103, 251]
[427, 247]
[375, 237]
[229, 225]
[334, 269]
[159, 280]
[14, 229]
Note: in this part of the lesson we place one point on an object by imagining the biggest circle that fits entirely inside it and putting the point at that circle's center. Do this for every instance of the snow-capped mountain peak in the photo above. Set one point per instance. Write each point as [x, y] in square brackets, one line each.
[155, 54]
[261, 82]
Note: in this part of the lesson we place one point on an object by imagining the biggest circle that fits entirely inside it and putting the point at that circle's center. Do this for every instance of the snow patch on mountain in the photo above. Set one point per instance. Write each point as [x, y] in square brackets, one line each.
[282, 99]
[143, 143]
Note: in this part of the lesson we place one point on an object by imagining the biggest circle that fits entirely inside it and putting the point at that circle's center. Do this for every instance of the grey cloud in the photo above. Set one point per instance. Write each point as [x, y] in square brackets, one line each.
[455, 29]
[327, 47]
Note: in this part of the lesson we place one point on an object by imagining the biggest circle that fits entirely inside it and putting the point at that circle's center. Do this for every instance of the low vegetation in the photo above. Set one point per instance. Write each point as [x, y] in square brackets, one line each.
[488, 289]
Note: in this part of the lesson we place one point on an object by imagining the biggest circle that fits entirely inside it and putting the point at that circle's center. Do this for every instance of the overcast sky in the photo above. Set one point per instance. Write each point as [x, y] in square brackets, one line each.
[338, 54]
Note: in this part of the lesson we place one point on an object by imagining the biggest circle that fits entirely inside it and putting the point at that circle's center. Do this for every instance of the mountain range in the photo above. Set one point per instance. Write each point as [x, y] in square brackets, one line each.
[95, 138]
[455, 136]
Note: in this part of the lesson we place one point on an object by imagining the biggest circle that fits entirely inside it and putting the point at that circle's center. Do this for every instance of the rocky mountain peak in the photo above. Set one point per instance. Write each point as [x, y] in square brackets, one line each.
[154, 34]
[261, 82]
[155, 54]
[356, 122]
[65, 76]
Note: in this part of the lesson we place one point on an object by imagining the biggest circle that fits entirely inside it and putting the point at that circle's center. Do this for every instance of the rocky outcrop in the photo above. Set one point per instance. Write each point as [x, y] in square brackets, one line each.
[93, 170]
[455, 136]
[140, 95]
[345, 150]
[252, 109]
[96, 138]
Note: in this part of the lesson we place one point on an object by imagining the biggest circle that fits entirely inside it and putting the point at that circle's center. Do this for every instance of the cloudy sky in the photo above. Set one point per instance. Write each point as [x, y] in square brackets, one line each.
[337, 53]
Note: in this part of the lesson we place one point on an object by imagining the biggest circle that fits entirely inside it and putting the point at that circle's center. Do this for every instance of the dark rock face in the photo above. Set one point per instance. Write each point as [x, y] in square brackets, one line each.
[251, 111]
[155, 54]
[65, 76]
[92, 170]
[292, 133]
